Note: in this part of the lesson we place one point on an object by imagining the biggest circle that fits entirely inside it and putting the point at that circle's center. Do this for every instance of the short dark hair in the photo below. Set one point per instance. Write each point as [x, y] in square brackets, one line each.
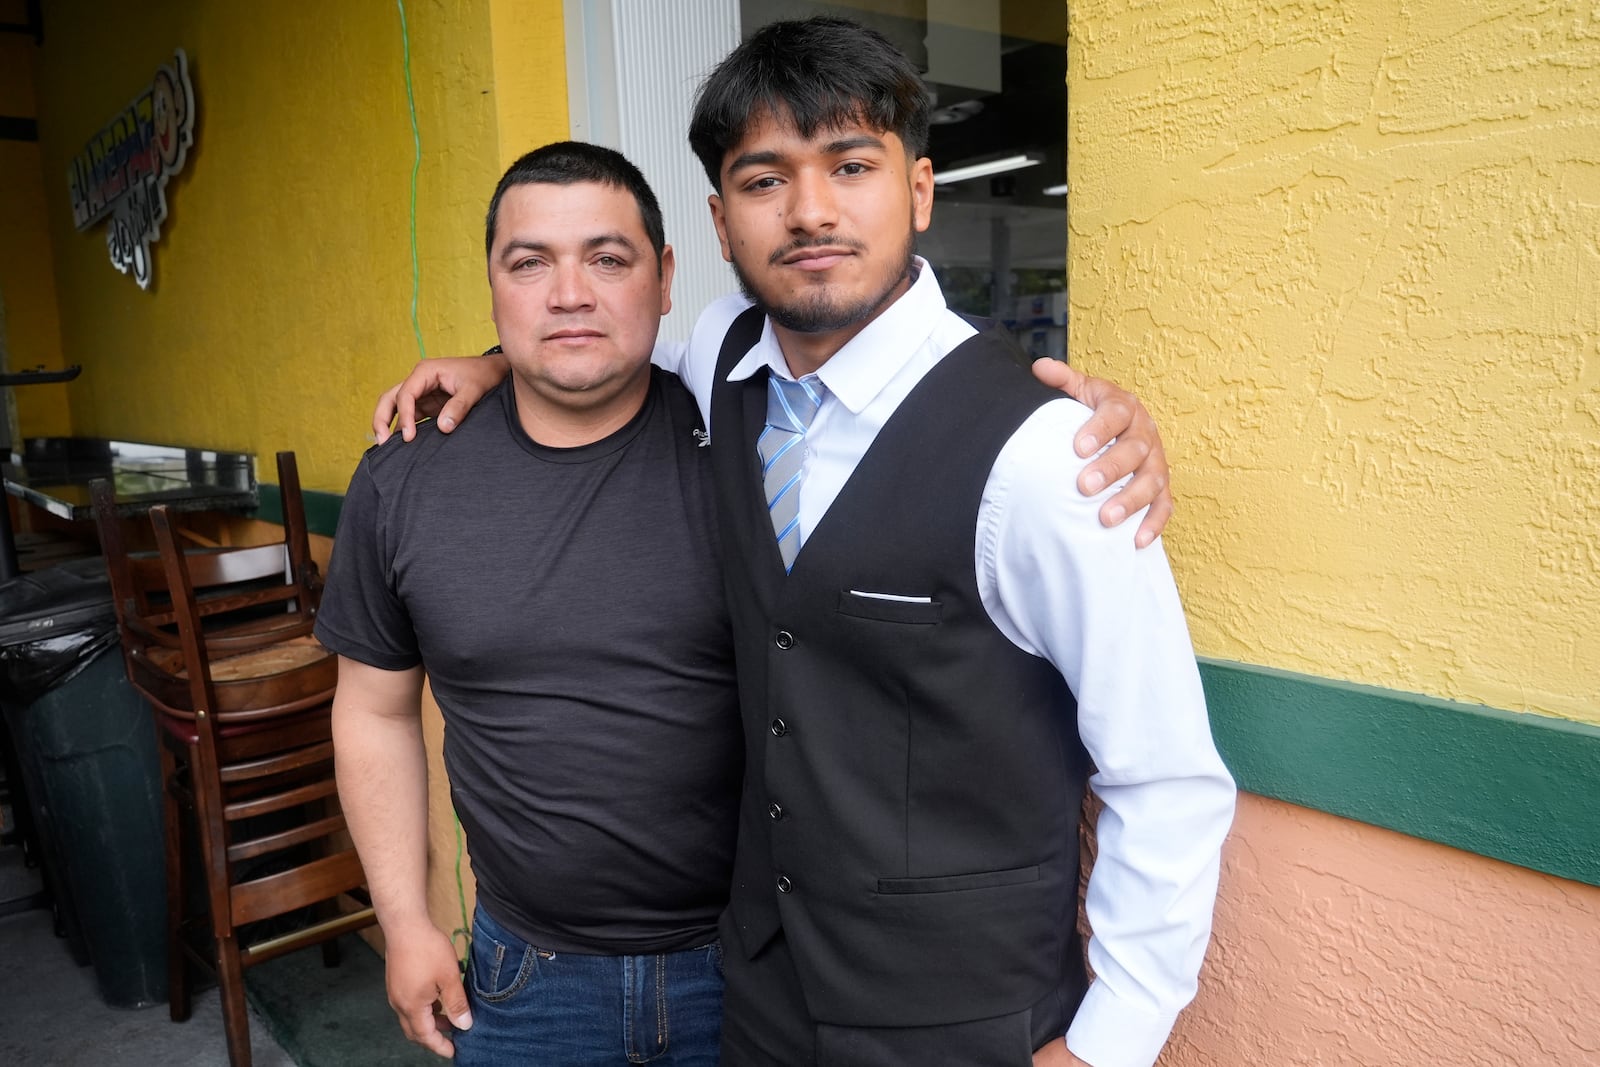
[572, 163]
[819, 73]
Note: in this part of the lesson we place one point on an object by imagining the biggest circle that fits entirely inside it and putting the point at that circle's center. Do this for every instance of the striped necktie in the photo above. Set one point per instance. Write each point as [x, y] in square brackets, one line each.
[791, 406]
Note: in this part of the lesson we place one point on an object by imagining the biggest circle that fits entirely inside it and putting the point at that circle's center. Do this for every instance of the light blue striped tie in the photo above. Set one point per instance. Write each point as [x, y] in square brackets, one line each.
[790, 408]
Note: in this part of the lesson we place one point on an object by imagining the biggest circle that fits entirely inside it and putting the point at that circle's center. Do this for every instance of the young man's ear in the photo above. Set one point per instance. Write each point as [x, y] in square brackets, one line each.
[717, 220]
[921, 193]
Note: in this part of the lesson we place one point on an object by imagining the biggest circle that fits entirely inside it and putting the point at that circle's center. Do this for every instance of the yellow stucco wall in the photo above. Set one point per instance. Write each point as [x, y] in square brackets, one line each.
[281, 300]
[530, 77]
[1347, 251]
[32, 331]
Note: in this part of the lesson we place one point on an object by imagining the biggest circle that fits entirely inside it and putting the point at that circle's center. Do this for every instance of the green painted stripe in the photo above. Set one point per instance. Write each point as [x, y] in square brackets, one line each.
[322, 508]
[1518, 787]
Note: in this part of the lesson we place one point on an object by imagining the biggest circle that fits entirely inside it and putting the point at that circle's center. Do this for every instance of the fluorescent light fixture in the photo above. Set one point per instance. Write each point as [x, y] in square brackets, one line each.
[1055, 190]
[984, 170]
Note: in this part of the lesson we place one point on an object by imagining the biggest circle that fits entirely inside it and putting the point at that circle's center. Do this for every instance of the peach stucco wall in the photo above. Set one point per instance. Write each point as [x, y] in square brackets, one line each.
[1338, 944]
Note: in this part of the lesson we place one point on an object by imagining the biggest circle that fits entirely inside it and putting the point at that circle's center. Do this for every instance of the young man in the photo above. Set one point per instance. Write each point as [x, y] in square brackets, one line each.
[955, 640]
[935, 637]
[552, 567]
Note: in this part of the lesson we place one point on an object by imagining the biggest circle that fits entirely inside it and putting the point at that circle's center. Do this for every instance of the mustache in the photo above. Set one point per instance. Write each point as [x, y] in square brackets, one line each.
[802, 243]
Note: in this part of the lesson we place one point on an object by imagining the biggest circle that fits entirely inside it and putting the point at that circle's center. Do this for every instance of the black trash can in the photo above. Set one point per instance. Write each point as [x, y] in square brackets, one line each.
[86, 742]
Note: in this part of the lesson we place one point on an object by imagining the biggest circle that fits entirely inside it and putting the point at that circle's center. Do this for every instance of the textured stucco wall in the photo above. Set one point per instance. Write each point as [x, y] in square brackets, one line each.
[1346, 248]
[32, 331]
[1347, 251]
[282, 296]
[1344, 945]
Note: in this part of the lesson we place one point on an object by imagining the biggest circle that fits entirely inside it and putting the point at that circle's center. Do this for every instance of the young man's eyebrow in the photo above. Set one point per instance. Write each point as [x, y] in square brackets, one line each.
[835, 147]
[853, 142]
[753, 159]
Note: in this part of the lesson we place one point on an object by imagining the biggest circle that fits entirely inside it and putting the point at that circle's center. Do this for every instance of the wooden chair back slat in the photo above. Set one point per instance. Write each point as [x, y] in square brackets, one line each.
[320, 789]
[249, 743]
[294, 759]
[298, 835]
[231, 566]
[278, 894]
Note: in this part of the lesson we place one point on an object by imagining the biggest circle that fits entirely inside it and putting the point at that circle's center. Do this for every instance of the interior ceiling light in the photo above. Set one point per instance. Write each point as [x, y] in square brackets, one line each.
[1055, 190]
[985, 169]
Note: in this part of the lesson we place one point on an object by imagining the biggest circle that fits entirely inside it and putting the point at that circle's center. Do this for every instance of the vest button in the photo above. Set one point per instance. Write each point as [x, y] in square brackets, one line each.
[775, 811]
[784, 885]
[779, 727]
[785, 640]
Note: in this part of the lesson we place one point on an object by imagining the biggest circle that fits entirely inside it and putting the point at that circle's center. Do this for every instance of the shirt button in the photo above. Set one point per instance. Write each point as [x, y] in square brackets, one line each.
[784, 885]
[785, 639]
[775, 811]
[779, 727]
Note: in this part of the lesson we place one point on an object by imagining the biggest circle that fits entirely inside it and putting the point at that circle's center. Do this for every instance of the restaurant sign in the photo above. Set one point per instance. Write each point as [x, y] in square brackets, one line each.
[122, 172]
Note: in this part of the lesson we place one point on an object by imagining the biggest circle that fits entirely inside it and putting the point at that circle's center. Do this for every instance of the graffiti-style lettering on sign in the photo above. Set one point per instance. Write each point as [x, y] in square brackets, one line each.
[122, 172]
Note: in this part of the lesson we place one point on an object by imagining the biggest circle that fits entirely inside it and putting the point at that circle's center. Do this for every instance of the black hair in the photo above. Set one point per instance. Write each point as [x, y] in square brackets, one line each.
[819, 73]
[572, 163]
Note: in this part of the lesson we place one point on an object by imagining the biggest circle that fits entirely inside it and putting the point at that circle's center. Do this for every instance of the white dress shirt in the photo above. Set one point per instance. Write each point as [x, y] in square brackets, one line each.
[1107, 616]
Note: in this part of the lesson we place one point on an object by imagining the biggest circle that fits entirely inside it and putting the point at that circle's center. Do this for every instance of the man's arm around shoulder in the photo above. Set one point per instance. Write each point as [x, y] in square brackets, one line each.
[383, 786]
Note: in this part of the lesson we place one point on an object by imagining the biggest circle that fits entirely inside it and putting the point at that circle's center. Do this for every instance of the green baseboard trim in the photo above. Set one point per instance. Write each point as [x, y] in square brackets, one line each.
[322, 508]
[1518, 787]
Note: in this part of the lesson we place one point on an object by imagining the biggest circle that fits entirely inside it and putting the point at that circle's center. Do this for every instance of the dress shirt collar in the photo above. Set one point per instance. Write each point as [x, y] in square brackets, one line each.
[858, 372]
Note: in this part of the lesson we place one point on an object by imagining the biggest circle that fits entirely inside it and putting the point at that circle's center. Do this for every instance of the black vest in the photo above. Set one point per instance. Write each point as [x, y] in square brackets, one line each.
[913, 779]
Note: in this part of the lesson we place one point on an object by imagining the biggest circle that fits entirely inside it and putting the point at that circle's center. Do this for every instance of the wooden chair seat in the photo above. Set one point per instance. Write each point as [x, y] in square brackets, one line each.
[256, 663]
[261, 683]
[220, 643]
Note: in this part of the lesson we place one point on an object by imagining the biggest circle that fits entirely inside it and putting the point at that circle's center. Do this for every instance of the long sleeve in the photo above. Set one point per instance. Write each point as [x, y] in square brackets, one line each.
[1108, 617]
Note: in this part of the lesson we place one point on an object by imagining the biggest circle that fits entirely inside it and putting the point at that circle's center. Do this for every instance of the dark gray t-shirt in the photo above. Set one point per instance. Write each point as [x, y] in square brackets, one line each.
[568, 609]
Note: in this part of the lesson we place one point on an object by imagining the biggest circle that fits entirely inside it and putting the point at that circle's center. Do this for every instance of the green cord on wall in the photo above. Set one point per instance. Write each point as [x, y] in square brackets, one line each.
[464, 932]
[416, 165]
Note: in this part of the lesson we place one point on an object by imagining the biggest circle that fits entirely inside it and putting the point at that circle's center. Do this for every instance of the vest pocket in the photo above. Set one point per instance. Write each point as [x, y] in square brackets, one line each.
[882, 610]
[956, 882]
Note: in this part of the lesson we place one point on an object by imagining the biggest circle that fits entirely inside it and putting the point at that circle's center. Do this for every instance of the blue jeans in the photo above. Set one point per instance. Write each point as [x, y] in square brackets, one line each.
[563, 1009]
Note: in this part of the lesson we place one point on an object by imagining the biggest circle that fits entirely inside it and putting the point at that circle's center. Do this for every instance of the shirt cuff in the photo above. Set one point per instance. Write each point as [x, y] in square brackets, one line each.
[1111, 1032]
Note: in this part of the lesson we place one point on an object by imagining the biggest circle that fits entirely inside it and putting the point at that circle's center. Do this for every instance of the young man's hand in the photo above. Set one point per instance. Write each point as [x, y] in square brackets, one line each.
[424, 983]
[444, 389]
[1137, 448]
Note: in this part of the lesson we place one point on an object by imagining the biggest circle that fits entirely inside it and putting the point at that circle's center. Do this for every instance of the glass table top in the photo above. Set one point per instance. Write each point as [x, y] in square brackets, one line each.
[54, 473]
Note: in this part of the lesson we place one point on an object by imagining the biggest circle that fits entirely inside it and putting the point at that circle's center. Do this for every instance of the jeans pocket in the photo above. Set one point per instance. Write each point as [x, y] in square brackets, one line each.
[499, 963]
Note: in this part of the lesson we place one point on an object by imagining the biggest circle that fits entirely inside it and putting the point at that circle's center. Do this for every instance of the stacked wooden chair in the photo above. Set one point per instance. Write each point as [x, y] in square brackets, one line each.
[219, 642]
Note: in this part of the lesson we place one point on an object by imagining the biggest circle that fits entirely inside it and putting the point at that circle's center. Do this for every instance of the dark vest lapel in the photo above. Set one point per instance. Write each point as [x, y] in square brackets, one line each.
[738, 415]
[921, 426]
